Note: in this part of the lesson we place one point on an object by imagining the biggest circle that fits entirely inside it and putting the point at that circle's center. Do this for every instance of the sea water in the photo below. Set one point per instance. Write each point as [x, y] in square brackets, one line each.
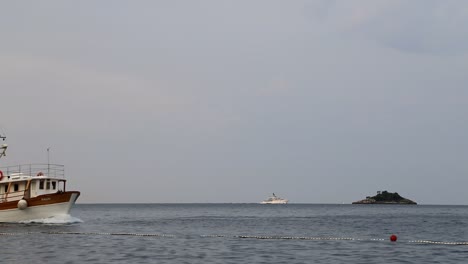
[241, 233]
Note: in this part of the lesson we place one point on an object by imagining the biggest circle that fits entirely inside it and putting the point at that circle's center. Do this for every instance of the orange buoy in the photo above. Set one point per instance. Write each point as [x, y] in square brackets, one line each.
[393, 238]
[1, 175]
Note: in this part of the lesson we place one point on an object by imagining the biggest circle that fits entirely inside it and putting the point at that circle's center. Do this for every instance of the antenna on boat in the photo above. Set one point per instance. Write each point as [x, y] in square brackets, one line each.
[48, 160]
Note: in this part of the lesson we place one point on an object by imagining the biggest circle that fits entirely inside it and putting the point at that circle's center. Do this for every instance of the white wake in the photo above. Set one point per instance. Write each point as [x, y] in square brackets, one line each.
[58, 219]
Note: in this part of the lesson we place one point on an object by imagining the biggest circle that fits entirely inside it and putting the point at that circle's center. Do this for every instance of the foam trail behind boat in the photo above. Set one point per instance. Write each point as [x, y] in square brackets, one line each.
[58, 219]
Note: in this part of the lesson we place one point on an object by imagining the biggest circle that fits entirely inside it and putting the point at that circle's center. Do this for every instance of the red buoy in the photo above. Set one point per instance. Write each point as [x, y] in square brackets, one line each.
[393, 238]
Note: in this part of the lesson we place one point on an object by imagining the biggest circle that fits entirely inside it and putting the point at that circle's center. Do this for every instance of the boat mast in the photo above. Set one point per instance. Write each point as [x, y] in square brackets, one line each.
[4, 147]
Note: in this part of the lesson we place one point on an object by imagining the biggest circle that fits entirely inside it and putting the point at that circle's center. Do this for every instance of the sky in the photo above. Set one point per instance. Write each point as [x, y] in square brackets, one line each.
[228, 101]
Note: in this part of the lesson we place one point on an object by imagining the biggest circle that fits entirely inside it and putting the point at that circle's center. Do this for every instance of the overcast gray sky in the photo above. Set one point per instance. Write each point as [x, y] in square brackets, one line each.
[228, 101]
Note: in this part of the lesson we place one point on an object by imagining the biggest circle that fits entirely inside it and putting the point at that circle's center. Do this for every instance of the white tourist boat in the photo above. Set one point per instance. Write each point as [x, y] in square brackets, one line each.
[274, 200]
[33, 191]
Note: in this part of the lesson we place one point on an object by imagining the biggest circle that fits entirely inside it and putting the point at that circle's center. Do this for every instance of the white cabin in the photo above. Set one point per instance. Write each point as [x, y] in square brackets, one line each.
[31, 180]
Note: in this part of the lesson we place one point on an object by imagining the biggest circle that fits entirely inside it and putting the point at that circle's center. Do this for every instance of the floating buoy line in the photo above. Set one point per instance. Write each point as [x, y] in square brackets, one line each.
[392, 238]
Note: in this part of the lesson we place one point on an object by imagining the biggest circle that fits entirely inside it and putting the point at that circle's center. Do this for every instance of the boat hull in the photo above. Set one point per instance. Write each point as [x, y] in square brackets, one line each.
[275, 202]
[43, 206]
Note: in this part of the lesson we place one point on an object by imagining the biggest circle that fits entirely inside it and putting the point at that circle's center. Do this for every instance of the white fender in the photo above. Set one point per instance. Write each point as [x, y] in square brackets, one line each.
[22, 204]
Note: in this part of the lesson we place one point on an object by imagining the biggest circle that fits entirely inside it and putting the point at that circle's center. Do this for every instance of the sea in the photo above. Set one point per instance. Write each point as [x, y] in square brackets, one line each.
[241, 233]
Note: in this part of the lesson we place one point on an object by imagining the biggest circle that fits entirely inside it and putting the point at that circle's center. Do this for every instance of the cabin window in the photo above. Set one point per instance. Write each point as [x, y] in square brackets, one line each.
[48, 185]
[16, 187]
[41, 185]
[54, 185]
[6, 188]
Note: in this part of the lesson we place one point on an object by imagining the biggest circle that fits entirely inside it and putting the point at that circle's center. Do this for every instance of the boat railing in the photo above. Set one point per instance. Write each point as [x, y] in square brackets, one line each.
[48, 170]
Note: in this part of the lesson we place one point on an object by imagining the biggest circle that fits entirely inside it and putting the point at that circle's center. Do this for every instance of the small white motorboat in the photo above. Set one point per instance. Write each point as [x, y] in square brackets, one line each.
[274, 200]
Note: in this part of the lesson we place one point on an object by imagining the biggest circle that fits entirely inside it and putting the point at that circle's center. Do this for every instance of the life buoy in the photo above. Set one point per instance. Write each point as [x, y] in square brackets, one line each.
[1, 175]
[40, 173]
